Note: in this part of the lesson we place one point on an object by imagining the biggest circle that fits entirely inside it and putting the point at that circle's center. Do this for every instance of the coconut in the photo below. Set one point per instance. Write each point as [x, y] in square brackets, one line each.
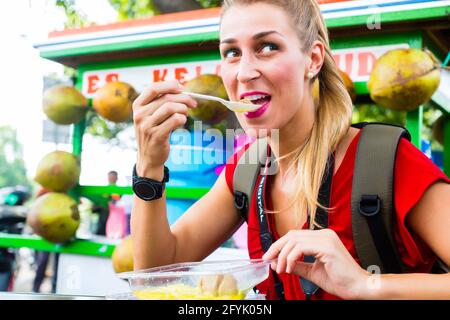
[55, 217]
[404, 79]
[211, 112]
[64, 105]
[58, 171]
[122, 257]
[114, 101]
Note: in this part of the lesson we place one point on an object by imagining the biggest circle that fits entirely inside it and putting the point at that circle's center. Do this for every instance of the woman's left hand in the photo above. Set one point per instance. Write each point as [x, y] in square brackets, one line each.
[334, 269]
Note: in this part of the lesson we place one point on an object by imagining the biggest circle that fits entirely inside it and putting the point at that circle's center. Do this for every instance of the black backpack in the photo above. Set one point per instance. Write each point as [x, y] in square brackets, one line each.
[372, 201]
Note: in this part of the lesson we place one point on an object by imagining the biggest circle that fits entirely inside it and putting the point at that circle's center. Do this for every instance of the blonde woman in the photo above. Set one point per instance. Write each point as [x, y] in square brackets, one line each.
[274, 50]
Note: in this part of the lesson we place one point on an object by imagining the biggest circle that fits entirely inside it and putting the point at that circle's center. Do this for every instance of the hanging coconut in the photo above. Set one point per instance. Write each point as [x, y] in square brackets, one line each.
[58, 171]
[404, 79]
[114, 101]
[210, 112]
[122, 257]
[64, 105]
[55, 217]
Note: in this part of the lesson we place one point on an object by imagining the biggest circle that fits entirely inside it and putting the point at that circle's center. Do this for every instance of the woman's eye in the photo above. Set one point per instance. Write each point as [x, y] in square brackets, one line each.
[268, 47]
[230, 53]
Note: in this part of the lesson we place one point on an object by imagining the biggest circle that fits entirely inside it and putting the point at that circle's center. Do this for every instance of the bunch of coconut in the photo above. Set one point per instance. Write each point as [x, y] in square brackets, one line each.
[54, 215]
[65, 105]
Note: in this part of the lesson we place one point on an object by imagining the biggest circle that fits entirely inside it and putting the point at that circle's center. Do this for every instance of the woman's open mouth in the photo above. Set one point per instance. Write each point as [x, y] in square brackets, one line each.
[257, 98]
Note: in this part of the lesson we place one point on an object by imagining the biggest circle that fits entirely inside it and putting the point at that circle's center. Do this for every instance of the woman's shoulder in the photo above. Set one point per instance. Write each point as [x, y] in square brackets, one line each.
[414, 173]
[412, 160]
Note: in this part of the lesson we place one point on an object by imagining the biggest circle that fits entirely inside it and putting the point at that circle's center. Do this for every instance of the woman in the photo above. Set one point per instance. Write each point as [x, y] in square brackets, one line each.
[274, 50]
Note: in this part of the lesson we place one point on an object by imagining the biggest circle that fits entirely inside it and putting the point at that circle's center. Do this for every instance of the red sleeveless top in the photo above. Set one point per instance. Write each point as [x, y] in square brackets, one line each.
[413, 174]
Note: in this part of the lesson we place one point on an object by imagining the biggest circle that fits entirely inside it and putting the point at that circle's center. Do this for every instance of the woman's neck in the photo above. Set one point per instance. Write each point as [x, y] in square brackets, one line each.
[292, 136]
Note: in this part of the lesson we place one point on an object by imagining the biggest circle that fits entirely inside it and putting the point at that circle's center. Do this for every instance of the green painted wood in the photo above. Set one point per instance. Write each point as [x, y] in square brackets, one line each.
[414, 121]
[132, 45]
[149, 61]
[171, 192]
[77, 142]
[79, 128]
[82, 247]
[361, 88]
[412, 38]
[389, 17]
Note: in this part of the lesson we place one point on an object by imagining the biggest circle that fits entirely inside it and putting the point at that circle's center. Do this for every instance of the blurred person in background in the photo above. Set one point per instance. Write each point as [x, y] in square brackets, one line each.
[42, 259]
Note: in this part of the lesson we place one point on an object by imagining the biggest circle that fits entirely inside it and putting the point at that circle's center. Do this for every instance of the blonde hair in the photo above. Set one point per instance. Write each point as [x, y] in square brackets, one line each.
[333, 111]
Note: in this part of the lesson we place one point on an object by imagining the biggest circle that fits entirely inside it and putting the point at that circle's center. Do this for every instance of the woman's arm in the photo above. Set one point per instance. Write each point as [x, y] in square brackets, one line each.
[430, 220]
[199, 231]
[158, 111]
[410, 286]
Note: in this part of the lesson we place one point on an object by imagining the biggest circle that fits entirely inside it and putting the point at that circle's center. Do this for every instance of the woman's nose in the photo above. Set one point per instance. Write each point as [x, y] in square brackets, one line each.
[247, 71]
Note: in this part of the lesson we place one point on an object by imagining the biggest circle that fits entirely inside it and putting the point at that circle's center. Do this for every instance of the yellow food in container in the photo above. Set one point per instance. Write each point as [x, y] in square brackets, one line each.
[208, 280]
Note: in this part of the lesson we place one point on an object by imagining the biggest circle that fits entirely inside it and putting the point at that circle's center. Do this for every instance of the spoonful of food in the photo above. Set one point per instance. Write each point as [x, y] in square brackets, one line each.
[244, 105]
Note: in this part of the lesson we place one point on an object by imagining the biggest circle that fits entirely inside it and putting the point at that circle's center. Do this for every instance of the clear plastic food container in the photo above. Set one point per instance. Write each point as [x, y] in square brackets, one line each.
[222, 280]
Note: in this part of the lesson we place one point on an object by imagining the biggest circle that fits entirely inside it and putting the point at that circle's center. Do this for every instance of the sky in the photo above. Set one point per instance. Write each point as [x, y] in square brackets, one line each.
[22, 23]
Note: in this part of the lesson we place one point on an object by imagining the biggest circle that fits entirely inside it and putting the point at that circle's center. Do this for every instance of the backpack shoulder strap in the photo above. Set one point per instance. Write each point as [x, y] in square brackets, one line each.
[246, 173]
[372, 199]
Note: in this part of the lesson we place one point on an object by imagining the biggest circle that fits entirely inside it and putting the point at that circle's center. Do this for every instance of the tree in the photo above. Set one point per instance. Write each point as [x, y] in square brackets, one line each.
[12, 166]
[132, 9]
[75, 18]
[374, 113]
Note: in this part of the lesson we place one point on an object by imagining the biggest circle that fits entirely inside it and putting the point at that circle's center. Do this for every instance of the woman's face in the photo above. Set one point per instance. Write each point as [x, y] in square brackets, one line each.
[262, 61]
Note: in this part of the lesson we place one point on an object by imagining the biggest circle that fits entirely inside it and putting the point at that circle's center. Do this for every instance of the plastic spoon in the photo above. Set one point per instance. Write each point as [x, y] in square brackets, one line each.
[235, 106]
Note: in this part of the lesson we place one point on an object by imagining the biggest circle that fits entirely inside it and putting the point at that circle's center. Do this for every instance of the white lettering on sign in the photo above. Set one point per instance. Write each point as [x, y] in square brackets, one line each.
[356, 62]
[142, 76]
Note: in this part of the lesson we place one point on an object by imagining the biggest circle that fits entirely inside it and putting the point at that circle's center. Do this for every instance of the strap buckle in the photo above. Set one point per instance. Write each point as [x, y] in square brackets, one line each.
[240, 200]
[369, 205]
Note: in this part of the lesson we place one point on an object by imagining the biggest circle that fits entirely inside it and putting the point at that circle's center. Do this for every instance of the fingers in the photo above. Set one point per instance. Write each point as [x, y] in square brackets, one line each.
[275, 248]
[303, 269]
[290, 249]
[284, 252]
[155, 90]
[165, 112]
[293, 257]
[162, 132]
[142, 112]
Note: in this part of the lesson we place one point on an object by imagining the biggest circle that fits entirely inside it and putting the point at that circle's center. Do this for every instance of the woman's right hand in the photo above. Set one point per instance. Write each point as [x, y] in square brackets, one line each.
[158, 111]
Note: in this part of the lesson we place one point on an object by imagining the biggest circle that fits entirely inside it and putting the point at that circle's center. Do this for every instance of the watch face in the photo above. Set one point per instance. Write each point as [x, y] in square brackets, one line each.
[145, 190]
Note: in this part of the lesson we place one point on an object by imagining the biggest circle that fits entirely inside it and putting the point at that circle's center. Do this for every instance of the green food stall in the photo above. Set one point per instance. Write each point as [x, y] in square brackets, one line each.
[184, 45]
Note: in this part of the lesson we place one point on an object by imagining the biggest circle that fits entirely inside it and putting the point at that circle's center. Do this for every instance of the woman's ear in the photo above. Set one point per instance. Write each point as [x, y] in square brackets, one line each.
[317, 56]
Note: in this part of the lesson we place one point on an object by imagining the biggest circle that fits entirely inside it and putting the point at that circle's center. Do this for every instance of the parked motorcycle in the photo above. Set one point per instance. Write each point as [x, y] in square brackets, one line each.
[13, 216]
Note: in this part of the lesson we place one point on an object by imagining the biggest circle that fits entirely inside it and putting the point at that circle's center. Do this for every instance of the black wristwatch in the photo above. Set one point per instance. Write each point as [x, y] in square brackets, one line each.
[149, 189]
